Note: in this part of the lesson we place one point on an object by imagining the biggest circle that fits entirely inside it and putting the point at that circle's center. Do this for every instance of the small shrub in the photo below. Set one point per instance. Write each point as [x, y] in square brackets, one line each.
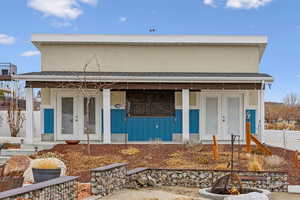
[203, 160]
[245, 156]
[254, 165]
[256, 151]
[51, 155]
[177, 154]
[45, 164]
[175, 162]
[222, 166]
[273, 161]
[130, 151]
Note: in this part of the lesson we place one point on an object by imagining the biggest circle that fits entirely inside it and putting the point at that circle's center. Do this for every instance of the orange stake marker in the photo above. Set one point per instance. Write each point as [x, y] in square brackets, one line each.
[215, 148]
[248, 137]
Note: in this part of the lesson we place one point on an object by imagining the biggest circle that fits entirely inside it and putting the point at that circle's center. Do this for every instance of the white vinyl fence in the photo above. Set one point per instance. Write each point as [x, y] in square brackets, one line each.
[4, 128]
[283, 138]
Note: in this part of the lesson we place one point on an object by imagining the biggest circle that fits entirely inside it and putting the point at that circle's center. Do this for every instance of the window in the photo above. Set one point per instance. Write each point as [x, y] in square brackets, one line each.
[151, 103]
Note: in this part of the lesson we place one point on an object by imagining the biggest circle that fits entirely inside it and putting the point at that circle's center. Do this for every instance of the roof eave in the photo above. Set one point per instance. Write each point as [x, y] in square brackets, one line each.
[144, 79]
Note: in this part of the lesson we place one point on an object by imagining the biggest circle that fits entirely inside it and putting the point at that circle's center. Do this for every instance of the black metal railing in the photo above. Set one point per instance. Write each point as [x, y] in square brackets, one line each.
[7, 69]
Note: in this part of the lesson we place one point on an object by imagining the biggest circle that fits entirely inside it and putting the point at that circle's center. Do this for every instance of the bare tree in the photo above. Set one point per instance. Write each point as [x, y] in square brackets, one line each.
[83, 86]
[289, 110]
[15, 117]
[291, 99]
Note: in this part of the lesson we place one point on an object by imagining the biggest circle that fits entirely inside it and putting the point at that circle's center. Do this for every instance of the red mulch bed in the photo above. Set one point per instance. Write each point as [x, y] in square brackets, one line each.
[154, 155]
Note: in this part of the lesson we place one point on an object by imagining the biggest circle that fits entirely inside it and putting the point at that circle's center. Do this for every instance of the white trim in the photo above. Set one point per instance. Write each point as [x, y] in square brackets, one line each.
[185, 115]
[29, 116]
[162, 79]
[150, 39]
[106, 116]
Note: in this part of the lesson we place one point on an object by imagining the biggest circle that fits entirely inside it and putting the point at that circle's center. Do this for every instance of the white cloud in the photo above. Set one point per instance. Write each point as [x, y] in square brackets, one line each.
[6, 40]
[208, 2]
[68, 9]
[91, 2]
[246, 4]
[30, 53]
[239, 4]
[123, 19]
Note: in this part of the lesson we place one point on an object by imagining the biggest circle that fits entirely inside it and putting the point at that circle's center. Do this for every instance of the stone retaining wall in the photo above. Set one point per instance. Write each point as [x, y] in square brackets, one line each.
[273, 181]
[105, 180]
[108, 179]
[62, 188]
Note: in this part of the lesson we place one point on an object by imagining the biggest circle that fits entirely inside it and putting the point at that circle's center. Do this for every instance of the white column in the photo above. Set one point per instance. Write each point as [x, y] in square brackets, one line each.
[185, 115]
[262, 115]
[106, 117]
[29, 116]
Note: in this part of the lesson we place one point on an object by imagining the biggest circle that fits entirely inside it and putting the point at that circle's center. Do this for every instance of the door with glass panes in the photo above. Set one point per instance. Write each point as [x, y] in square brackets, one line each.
[222, 116]
[77, 116]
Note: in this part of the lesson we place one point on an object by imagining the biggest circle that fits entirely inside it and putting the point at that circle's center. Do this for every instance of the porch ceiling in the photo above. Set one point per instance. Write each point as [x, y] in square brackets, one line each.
[145, 86]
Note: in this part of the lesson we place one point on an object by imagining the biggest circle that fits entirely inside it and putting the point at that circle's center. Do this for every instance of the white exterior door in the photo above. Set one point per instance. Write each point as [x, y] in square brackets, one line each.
[210, 115]
[232, 116]
[67, 117]
[221, 115]
[77, 116]
[89, 117]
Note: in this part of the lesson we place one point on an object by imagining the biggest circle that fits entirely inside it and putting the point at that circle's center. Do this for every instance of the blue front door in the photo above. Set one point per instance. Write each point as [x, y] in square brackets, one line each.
[150, 128]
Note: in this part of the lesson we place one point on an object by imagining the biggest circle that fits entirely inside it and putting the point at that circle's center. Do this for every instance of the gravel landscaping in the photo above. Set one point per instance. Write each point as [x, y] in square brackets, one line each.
[164, 156]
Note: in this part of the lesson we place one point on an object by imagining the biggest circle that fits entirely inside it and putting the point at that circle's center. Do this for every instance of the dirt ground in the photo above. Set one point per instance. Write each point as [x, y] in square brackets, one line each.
[161, 156]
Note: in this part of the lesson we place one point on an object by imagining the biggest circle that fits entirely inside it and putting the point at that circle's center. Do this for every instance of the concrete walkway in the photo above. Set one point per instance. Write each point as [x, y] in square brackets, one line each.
[285, 196]
[175, 193]
[148, 194]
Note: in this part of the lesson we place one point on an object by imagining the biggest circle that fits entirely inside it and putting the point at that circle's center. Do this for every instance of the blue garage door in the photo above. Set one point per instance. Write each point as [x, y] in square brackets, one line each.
[150, 128]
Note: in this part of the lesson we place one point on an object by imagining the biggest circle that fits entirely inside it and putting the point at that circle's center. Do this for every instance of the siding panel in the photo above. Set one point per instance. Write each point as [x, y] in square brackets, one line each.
[48, 121]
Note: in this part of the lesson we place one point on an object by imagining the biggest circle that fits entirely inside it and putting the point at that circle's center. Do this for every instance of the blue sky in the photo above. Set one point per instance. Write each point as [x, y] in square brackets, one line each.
[278, 19]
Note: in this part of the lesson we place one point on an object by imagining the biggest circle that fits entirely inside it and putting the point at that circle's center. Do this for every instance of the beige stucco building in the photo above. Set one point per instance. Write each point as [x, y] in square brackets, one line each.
[143, 88]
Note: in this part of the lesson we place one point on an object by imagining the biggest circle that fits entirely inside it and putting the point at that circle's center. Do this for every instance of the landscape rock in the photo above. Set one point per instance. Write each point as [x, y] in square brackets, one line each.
[28, 177]
[250, 196]
[142, 181]
[17, 163]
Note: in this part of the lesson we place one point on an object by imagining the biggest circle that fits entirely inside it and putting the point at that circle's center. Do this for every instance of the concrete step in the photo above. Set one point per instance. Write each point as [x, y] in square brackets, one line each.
[13, 152]
[39, 147]
[3, 159]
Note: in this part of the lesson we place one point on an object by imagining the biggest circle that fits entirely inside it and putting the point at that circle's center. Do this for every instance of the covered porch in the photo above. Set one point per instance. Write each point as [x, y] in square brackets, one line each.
[146, 107]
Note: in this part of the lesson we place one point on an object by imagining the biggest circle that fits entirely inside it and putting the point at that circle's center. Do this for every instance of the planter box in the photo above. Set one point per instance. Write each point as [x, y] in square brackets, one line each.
[40, 175]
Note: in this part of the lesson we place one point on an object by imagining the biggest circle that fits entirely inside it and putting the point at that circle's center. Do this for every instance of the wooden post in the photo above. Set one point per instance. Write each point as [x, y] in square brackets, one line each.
[248, 137]
[260, 146]
[296, 161]
[215, 148]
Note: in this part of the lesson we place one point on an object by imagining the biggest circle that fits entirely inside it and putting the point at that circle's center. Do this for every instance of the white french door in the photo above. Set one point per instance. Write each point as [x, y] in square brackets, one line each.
[75, 119]
[222, 115]
[232, 116]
